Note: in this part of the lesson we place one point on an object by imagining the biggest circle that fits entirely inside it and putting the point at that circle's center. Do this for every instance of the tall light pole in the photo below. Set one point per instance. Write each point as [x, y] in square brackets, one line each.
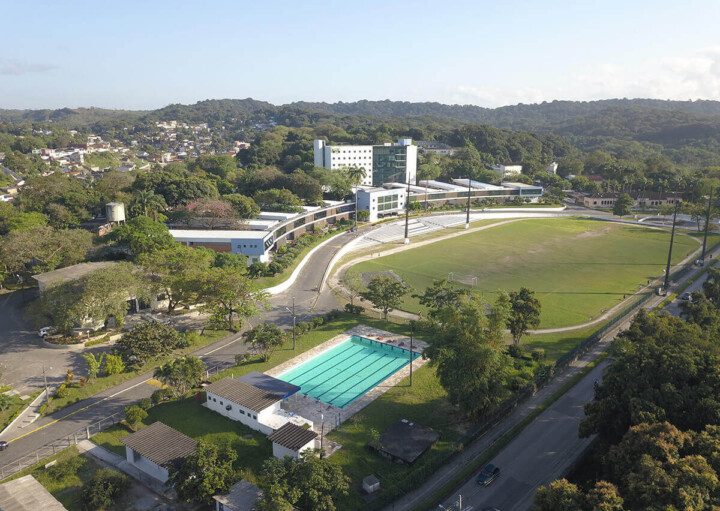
[292, 312]
[412, 358]
[322, 431]
[407, 213]
[467, 216]
[707, 224]
[672, 240]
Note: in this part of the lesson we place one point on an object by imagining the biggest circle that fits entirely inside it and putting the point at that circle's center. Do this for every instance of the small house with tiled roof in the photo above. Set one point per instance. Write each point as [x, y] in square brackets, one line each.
[292, 440]
[157, 448]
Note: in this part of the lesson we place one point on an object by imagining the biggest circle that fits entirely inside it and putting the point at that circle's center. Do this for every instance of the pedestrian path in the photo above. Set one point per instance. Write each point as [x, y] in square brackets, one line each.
[29, 415]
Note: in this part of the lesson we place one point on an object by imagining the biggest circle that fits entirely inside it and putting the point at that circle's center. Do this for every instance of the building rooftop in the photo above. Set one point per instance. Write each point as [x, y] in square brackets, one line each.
[161, 444]
[292, 436]
[70, 273]
[217, 235]
[243, 394]
[478, 185]
[242, 496]
[262, 381]
[521, 185]
[406, 441]
[26, 494]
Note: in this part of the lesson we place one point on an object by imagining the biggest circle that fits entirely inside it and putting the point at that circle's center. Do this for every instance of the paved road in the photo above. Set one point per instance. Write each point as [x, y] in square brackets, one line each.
[547, 448]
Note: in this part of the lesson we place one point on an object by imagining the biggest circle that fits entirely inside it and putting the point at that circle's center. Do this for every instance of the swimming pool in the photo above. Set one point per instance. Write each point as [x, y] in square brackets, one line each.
[345, 372]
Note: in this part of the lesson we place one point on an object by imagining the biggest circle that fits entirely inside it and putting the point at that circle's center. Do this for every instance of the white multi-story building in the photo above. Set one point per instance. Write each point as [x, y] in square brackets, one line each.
[381, 163]
[507, 170]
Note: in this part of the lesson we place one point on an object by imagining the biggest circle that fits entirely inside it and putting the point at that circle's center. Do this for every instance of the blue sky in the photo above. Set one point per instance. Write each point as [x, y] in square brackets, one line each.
[146, 54]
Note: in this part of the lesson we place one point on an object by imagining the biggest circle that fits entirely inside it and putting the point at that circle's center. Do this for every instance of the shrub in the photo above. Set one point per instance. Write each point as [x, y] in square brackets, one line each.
[354, 309]
[134, 415]
[160, 395]
[65, 468]
[61, 391]
[104, 489]
[318, 321]
[537, 354]
[241, 358]
[515, 351]
[114, 364]
[145, 403]
[192, 338]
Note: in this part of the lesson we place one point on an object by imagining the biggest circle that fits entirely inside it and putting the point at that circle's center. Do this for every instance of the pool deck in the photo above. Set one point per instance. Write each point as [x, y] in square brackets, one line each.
[328, 417]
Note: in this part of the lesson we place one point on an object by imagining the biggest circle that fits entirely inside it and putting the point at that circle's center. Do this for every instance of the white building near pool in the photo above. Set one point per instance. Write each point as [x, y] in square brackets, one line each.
[292, 441]
[257, 405]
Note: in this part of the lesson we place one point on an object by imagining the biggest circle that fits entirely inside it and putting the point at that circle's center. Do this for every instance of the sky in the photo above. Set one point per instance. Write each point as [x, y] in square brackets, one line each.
[144, 54]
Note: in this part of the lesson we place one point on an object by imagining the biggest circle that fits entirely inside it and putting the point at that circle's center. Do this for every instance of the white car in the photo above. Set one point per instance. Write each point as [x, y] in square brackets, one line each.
[46, 330]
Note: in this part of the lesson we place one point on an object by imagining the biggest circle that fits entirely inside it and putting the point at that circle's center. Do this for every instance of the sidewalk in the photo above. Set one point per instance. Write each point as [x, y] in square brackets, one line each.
[29, 415]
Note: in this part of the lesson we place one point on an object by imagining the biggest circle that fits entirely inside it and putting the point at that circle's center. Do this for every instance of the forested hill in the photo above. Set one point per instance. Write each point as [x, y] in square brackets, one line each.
[672, 124]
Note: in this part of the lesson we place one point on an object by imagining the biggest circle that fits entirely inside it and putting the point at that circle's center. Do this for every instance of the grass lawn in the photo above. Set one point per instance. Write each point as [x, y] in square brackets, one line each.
[578, 268]
[77, 393]
[14, 407]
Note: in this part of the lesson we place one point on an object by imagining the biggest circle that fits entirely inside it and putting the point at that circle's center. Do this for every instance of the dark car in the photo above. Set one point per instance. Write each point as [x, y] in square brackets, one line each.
[487, 475]
[686, 296]
[3, 445]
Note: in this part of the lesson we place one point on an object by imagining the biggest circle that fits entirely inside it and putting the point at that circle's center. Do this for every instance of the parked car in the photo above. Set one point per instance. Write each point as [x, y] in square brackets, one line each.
[487, 475]
[3, 445]
[686, 296]
[46, 330]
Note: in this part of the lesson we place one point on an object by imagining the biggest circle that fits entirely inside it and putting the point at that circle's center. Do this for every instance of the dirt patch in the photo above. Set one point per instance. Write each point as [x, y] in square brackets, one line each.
[594, 233]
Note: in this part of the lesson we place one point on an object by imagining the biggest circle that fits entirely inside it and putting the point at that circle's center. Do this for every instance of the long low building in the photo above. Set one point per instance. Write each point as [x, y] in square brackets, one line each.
[280, 228]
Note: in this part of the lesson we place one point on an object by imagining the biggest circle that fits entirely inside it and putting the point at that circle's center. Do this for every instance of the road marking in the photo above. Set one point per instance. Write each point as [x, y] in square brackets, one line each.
[79, 410]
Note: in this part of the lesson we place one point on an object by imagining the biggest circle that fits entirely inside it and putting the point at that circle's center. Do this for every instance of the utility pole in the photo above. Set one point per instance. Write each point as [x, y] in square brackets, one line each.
[672, 240]
[407, 213]
[294, 333]
[707, 224]
[467, 216]
[47, 392]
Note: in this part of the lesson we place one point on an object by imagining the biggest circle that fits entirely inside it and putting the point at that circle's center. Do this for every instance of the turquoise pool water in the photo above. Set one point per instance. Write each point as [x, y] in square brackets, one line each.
[347, 371]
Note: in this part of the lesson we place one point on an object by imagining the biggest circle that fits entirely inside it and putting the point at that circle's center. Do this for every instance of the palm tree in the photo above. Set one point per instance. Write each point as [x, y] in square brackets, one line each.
[147, 201]
[356, 176]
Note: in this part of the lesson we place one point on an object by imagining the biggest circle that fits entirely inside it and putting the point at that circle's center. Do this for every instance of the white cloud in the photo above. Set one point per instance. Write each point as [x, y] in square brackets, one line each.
[693, 76]
[15, 67]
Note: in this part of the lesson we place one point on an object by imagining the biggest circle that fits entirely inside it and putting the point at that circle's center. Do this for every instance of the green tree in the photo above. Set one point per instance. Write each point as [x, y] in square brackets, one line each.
[440, 295]
[210, 213]
[604, 496]
[231, 297]
[524, 313]
[142, 235]
[560, 495]
[42, 249]
[182, 374]
[176, 272]
[663, 369]
[623, 205]
[308, 484]
[385, 293]
[278, 200]
[711, 286]
[92, 298]
[113, 364]
[134, 415]
[428, 170]
[355, 176]
[264, 338]
[148, 340]
[104, 489]
[206, 472]
[243, 205]
[147, 203]
[94, 362]
[466, 348]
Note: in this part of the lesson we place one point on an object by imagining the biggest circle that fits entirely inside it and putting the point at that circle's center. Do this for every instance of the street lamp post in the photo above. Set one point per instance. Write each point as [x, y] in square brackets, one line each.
[292, 311]
[467, 216]
[707, 224]
[412, 331]
[672, 240]
[322, 431]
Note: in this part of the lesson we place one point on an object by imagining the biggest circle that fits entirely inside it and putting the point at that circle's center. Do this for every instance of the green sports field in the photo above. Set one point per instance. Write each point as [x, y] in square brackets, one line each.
[578, 268]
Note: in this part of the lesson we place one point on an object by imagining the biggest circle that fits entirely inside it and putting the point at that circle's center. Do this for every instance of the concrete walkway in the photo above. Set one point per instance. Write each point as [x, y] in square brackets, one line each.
[29, 415]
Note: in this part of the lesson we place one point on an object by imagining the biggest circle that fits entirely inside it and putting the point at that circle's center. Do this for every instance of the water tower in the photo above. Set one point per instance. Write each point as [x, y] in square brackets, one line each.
[115, 212]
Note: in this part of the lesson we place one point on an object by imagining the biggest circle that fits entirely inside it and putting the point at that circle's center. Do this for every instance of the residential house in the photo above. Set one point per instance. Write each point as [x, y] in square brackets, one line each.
[243, 496]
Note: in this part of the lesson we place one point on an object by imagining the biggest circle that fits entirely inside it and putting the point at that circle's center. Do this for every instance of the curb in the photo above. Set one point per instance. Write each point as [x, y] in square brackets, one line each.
[32, 403]
[285, 285]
